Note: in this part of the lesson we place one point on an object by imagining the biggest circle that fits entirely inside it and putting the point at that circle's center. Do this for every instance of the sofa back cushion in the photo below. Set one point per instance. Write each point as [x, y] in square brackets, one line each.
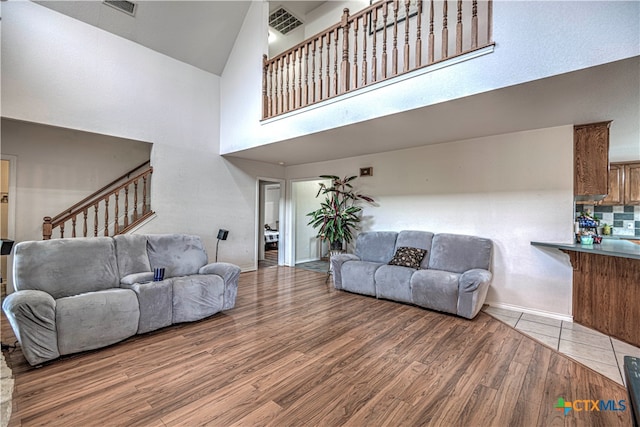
[458, 253]
[179, 254]
[131, 251]
[416, 239]
[376, 246]
[66, 267]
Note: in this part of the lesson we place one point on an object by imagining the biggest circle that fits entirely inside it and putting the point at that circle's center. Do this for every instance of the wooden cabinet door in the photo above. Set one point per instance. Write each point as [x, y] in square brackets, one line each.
[615, 196]
[632, 184]
[591, 160]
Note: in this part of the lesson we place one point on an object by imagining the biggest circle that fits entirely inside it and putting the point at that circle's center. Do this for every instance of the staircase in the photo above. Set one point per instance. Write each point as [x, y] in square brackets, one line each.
[116, 208]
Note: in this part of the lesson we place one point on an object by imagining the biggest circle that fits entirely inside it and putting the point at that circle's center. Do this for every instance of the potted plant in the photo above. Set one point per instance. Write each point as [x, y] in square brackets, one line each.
[339, 213]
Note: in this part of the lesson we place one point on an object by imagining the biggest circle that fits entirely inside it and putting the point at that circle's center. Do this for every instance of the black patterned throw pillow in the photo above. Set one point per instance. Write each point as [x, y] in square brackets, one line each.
[408, 257]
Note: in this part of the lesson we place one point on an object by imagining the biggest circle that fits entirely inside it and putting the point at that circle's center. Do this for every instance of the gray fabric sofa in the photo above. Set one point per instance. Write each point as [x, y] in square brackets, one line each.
[453, 276]
[81, 294]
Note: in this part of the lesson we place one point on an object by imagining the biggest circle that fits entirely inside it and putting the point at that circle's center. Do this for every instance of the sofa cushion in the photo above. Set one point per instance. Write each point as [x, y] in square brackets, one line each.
[196, 297]
[179, 254]
[376, 246]
[408, 257]
[66, 267]
[156, 304]
[458, 253]
[416, 239]
[131, 250]
[96, 319]
[435, 289]
[358, 276]
[394, 283]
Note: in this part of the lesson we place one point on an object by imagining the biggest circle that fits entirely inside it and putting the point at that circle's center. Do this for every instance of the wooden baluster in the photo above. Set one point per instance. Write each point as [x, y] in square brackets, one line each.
[313, 71]
[459, 29]
[299, 98]
[431, 36]
[335, 62]
[344, 71]
[320, 69]
[272, 95]
[365, 35]
[85, 213]
[292, 93]
[385, 12]
[95, 220]
[73, 226]
[144, 195]
[489, 21]
[305, 95]
[116, 225]
[135, 200]
[47, 228]
[407, 3]
[265, 109]
[445, 31]
[394, 53]
[374, 57]
[328, 68]
[281, 86]
[62, 230]
[474, 24]
[106, 216]
[286, 91]
[354, 64]
[126, 206]
[419, 35]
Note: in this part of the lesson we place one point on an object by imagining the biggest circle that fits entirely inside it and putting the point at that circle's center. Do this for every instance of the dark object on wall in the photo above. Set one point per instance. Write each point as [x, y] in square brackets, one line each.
[7, 245]
[366, 171]
[222, 235]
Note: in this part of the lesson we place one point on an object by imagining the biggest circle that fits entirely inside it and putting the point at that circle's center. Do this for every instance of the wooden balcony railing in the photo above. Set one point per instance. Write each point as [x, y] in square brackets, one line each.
[373, 45]
[114, 209]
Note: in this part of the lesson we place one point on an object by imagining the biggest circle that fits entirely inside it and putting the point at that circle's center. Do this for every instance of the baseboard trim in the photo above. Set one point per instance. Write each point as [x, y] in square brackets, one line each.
[543, 313]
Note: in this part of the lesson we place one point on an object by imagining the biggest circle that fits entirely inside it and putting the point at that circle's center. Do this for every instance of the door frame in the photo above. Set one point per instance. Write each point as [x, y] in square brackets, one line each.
[11, 214]
[282, 218]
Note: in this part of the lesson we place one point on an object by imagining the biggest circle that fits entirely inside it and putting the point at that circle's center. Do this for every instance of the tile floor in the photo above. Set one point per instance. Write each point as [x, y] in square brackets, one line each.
[596, 350]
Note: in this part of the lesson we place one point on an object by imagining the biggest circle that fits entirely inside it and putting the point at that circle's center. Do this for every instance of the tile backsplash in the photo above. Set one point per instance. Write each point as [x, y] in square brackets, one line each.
[624, 219]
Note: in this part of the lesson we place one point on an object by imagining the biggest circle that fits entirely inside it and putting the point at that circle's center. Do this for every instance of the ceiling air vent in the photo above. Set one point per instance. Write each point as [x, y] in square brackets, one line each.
[124, 6]
[283, 21]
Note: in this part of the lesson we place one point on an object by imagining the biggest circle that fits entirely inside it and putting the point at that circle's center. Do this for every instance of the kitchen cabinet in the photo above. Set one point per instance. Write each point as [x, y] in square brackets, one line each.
[615, 195]
[591, 161]
[632, 183]
[624, 184]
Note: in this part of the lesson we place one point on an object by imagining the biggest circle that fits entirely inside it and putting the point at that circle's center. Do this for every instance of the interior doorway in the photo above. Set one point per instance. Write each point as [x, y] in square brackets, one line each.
[7, 217]
[270, 223]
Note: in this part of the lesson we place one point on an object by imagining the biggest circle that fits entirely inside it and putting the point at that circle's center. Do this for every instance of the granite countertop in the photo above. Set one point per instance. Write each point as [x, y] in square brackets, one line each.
[611, 247]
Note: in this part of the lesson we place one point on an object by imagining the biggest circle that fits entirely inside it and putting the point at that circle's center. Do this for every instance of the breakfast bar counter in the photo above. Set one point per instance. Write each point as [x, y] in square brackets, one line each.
[606, 286]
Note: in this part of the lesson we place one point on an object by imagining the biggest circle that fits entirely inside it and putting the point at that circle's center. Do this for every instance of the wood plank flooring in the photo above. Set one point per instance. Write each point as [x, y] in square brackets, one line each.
[296, 352]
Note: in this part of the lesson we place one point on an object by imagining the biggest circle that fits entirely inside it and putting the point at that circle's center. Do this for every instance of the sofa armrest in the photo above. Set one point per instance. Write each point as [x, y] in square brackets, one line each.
[230, 274]
[336, 267]
[472, 291]
[130, 279]
[32, 315]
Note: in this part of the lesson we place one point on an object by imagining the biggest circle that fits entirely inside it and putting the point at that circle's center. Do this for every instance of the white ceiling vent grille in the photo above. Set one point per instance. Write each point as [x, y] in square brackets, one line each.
[283, 21]
[124, 6]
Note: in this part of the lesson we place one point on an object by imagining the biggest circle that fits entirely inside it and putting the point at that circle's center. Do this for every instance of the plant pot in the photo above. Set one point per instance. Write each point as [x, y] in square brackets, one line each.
[336, 246]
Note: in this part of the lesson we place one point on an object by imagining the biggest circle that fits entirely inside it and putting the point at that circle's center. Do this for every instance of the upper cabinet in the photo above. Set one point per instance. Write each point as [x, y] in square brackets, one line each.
[624, 184]
[632, 183]
[591, 161]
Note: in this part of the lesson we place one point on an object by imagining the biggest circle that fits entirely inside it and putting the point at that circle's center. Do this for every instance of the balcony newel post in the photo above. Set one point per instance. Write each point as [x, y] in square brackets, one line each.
[47, 228]
[345, 51]
[265, 109]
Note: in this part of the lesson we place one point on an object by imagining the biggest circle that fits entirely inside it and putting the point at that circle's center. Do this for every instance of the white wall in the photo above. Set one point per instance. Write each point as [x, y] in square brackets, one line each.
[303, 200]
[533, 39]
[62, 72]
[511, 188]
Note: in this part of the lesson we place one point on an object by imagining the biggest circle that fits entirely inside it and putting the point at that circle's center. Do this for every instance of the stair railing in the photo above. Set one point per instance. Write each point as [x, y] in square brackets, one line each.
[114, 209]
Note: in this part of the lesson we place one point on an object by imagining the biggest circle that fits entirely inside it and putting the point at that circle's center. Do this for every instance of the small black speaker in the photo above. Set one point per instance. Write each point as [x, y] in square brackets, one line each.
[5, 248]
[222, 234]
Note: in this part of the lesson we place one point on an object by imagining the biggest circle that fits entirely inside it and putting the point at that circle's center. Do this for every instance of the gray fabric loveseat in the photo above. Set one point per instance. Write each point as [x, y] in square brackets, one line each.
[81, 294]
[453, 275]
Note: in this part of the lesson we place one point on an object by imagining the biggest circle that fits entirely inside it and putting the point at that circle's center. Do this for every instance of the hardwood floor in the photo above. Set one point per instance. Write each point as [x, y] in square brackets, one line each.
[296, 352]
